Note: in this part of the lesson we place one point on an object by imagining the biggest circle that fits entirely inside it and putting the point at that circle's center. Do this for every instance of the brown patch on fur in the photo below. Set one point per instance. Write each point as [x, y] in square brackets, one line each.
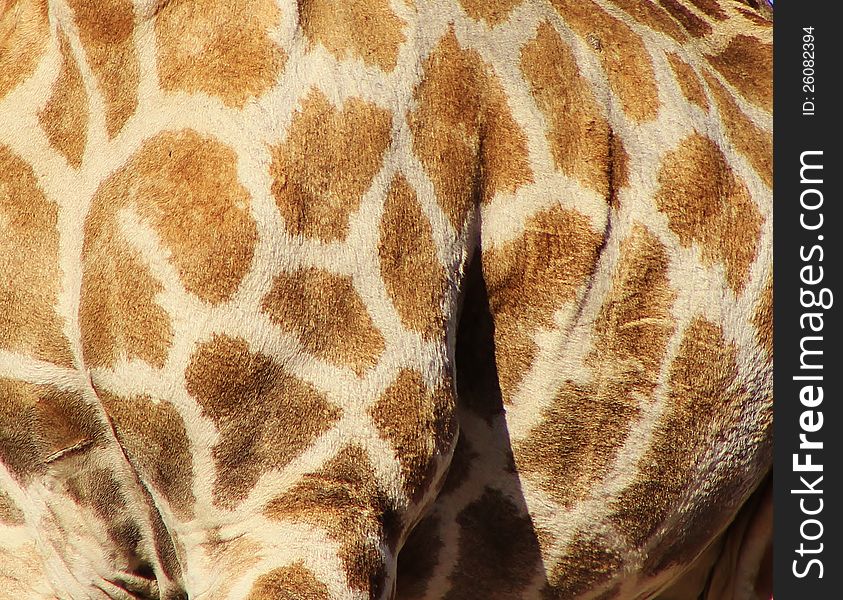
[463, 121]
[323, 142]
[407, 254]
[711, 8]
[445, 126]
[344, 498]
[24, 31]
[498, 551]
[363, 29]
[418, 559]
[65, 116]
[265, 416]
[706, 204]
[624, 57]
[105, 30]
[691, 22]
[762, 319]
[328, 316]
[755, 17]
[220, 47]
[43, 426]
[690, 84]
[579, 136]
[190, 193]
[154, 437]
[747, 64]
[504, 156]
[702, 399]
[289, 583]
[31, 278]
[19, 450]
[10, 514]
[653, 16]
[64, 423]
[419, 424]
[751, 141]
[531, 277]
[185, 187]
[635, 321]
[587, 564]
[494, 12]
[582, 431]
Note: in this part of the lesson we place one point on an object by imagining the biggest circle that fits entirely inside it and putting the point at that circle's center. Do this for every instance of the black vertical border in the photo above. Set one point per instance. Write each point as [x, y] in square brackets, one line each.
[794, 134]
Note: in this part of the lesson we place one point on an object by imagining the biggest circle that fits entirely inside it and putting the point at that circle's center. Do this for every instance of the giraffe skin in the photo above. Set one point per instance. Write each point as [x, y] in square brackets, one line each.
[410, 299]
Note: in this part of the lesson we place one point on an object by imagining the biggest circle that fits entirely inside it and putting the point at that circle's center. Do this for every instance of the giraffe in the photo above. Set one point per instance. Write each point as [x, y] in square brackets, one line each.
[384, 299]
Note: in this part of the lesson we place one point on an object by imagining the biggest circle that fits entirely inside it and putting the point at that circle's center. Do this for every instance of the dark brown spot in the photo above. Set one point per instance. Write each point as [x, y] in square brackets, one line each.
[265, 416]
[578, 134]
[691, 22]
[706, 204]
[43, 426]
[219, 47]
[322, 143]
[328, 316]
[19, 450]
[105, 30]
[185, 187]
[711, 8]
[756, 18]
[498, 551]
[154, 437]
[407, 253]
[747, 64]
[624, 57]
[689, 83]
[65, 116]
[345, 499]
[652, 15]
[365, 29]
[31, 278]
[463, 120]
[64, 423]
[419, 424]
